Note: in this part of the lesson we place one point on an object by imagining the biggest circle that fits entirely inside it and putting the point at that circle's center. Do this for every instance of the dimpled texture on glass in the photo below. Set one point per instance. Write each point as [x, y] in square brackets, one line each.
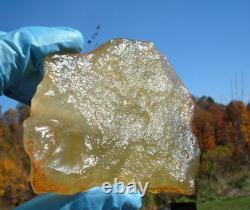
[119, 111]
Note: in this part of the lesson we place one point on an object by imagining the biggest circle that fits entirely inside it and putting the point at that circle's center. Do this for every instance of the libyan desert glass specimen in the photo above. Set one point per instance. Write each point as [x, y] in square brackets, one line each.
[119, 111]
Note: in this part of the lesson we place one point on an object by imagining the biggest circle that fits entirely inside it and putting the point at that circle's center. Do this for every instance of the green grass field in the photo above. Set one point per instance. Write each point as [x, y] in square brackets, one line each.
[237, 203]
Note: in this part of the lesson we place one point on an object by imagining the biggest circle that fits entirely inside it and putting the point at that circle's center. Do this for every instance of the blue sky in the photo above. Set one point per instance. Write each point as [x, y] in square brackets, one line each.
[207, 42]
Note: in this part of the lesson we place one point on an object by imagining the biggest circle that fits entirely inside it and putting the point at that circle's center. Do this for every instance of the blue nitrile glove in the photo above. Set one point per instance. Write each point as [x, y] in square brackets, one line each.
[21, 57]
[94, 199]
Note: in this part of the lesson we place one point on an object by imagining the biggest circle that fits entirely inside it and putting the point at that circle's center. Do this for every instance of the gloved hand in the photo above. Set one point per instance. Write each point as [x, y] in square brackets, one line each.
[94, 199]
[21, 70]
[21, 57]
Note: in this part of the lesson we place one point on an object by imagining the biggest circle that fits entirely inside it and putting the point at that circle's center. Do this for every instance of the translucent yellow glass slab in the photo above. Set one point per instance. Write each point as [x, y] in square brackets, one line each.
[119, 111]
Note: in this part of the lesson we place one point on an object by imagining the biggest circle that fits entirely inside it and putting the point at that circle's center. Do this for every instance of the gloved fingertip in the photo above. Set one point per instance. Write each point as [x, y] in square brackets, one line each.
[134, 199]
[73, 38]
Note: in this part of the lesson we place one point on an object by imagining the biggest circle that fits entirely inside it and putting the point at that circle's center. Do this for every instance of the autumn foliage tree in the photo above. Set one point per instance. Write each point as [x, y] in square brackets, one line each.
[14, 164]
[238, 129]
[223, 133]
